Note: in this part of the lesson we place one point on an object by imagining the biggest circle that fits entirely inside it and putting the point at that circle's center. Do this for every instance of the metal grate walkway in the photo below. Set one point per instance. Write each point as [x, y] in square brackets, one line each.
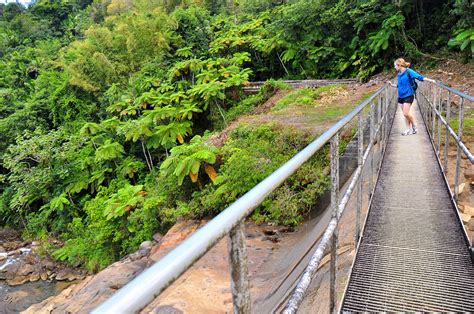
[413, 255]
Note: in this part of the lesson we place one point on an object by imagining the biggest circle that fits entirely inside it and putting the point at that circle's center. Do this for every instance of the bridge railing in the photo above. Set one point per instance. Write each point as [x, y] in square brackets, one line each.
[149, 284]
[444, 110]
[382, 111]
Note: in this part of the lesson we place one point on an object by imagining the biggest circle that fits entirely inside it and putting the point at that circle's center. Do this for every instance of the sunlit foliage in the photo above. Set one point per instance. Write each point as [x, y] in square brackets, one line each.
[106, 106]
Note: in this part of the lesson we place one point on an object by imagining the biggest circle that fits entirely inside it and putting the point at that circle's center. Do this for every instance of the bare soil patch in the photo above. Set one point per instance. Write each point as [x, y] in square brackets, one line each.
[219, 138]
[456, 75]
[270, 103]
[308, 119]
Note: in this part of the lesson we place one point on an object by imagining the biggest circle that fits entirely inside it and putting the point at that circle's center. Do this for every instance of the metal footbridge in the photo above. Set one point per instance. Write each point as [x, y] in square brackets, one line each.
[413, 255]
[412, 251]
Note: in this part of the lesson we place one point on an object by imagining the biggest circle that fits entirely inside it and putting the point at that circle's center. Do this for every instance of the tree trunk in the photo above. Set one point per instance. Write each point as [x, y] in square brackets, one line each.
[142, 140]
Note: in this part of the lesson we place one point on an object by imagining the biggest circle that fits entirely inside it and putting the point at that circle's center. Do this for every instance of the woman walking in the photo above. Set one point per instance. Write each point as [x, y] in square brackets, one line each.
[406, 93]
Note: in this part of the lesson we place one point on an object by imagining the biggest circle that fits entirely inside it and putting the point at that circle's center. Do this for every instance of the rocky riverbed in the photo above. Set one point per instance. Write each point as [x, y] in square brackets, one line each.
[26, 277]
[14, 299]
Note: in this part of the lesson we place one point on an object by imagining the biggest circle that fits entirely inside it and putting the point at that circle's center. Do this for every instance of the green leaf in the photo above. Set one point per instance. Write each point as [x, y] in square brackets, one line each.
[108, 151]
[179, 171]
[195, 166]
[89, 128]
[58, 203]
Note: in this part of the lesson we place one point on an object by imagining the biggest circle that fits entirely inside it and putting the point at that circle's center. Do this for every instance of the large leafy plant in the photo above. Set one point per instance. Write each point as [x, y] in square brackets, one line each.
[464, 39]
[189, 159]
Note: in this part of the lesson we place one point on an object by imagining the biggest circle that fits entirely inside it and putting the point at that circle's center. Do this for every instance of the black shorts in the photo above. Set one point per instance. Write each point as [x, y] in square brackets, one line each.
[404, 100]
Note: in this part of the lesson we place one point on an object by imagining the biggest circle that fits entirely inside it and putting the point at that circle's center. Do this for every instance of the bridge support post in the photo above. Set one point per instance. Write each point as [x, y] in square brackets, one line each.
[430, 103]
[379, 129]
[379, 120]
[239, 271]
[432, 110]
[387, 114]
[458, 154]
[360, 152]
[335, 214]
[371, 142]
[440, 110]
[446, 139]
[383, 101]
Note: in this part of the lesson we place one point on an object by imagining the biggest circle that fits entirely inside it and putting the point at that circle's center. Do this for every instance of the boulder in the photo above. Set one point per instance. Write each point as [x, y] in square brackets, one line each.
[92, 291]
[461, 188]
[180, 231]
[452, 153]
[146, 245]
[469, 210]
[80, 275]
[18, 280]
[470, 224]
[34, 277]
[47, 264]
[64, 274]
[469, 173]
[76, 275]
[12, 245]
[11, 268]
[25, 269]
[464, 217]
[139, 254]
[14, 253]
[31, 258]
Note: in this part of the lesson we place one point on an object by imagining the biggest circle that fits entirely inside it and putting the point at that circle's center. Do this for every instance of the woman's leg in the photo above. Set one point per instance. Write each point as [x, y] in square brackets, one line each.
[407, 122]
[410, 120]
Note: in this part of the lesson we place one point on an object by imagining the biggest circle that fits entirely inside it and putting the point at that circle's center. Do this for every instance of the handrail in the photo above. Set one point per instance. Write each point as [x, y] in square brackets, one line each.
[432, 110]
[456, 92]
[446, 124]
[459, 142]
[149, 284]
[304, 282]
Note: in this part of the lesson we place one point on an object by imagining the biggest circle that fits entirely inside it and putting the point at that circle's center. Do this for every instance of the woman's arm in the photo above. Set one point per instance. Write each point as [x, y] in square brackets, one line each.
[391, 84]
[419, 77]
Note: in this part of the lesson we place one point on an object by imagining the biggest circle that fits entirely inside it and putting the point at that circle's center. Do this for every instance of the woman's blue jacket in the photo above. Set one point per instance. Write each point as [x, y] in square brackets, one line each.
[404, 83]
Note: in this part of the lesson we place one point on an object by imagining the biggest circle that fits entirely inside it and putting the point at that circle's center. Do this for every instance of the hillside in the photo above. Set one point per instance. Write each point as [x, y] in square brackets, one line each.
[268, 244]
[109, 109]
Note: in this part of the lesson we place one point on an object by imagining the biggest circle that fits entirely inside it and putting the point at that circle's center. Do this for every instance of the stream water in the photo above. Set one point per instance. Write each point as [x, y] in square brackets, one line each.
[18, 298]
[14, 299]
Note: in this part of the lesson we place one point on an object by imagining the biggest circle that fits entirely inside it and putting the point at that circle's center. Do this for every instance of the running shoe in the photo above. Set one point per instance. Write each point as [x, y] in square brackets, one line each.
[408, 132]
[415, 129]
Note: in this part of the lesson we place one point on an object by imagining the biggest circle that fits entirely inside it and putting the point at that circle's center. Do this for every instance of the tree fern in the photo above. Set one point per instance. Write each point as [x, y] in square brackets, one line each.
[108, 151]
[125, 200]
[187, 159]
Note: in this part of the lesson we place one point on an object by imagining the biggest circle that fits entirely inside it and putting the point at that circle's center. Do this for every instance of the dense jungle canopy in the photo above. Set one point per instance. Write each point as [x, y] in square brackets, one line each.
[106, 105]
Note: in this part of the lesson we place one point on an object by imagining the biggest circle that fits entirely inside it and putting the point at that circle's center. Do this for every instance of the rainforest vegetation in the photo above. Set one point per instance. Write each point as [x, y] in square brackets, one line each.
[106, 106]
